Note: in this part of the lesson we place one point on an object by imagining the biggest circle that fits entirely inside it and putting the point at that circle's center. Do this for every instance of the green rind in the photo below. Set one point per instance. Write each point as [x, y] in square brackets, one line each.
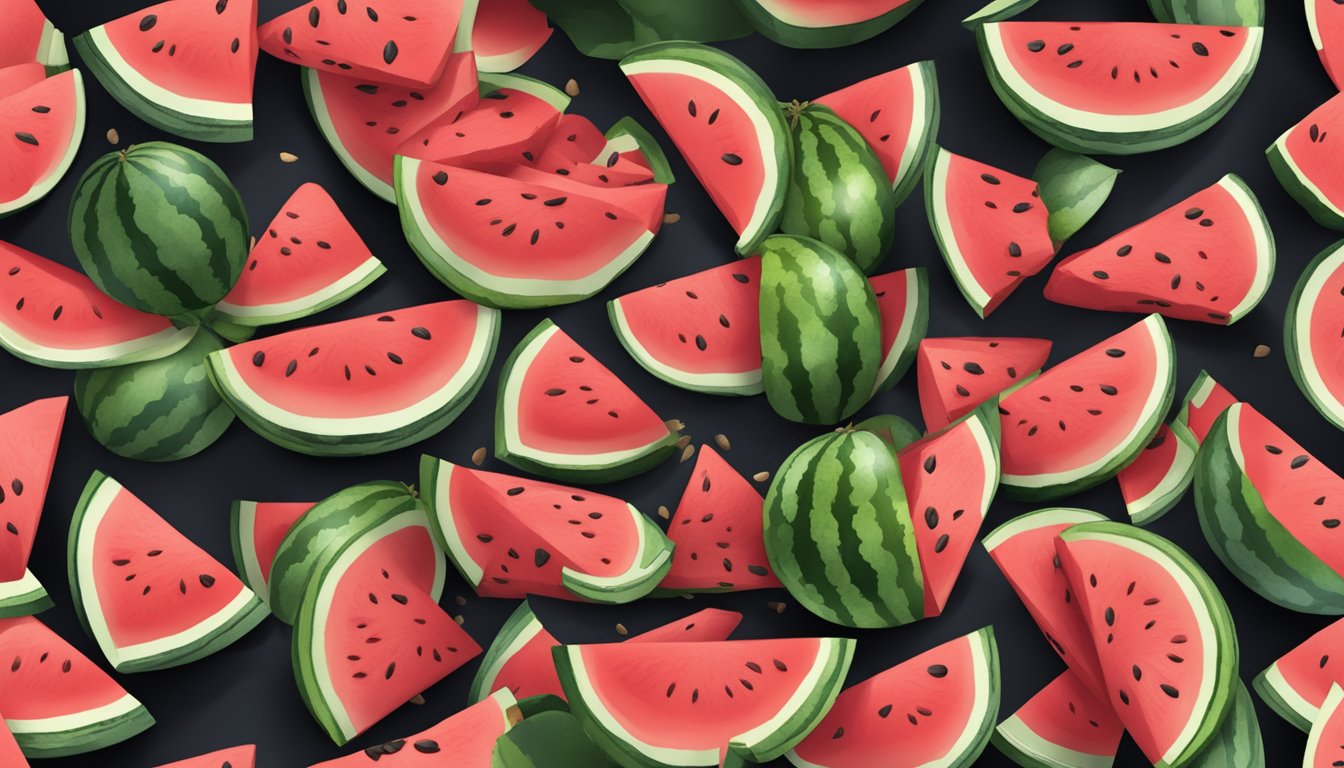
[653, 151]
[927, 71]
[548, 740]
[482, 685]
[542, 702]
[933, 191]
[30, 602]
[1324, 402]
[1238, 743]
[1073, 188]
[493, 81]
[1218, 13]
[1285, 170]
[1278, 703]
[239, 547]
[997, 10]
[88, 738]
[1163, 504]
[1319, 747]
[919, 328]
[795, 36]
[239, 329]
[896, 431]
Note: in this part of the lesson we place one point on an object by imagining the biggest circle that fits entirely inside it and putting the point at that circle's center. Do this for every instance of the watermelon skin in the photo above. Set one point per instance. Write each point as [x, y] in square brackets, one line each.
[256, 529]
[42, 144]
[184, 66]
[1073, 188]
[1262, 538]
[1158, 478]
[1308, 333]
[1327, 34]
[1238, 740]
[548, 740]
[29, 438]
[1307, 168]
[1203, 404]
[1236, 13]
[1081, 109]
[1323, 745]
[1062, 726]
[947, 367]
[903, 306]
[812, 24]
[1298, 682]
[30, 37]
[507, 33]
[234, 757]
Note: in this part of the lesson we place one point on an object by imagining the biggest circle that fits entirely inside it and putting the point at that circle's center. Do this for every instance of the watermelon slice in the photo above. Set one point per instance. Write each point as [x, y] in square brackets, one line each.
[1326, 23]
[16, 77]
[634, 145]
[937, 708]
[43, 125]
[1204, 403]
[825, 23]
[29, 437]
[507, 125]
[726, 124]
[640, 195]
[575, 140]
[29, 37]
[256, 529]
[1297, 684]
[956, 375]
[512, 537]
[10, 754]
[310, 259]
[1163, 635]
[1208, 258]
[151, 598]
[1311, 333]
[903, 302]
[183, 65]
[1139, 87]
[989, 224]
[1271, 512]
[234, 757]
[466, 738]
[367, 385]
[546, 421]
[657, 704]
[1306, 165]
[507, 33]
[1062, 726]
[1325, 745]
[1159, 476]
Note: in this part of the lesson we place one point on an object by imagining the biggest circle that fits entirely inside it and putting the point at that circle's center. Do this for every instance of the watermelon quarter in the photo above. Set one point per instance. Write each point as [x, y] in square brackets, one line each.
[823, 24]
[1062, 726]
[956, 375]
[1325, 745]
[1297, 684]
[1326, 23]
[29, 438]
[1306, 165]
[1311, 333]
[43, 125]
[507, 33]
[256, 529]
[29, 37]
[234, 757]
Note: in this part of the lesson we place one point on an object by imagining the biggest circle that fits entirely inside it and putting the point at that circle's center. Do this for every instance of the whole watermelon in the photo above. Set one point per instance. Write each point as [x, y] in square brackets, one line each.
[159, 227]
[161, 410]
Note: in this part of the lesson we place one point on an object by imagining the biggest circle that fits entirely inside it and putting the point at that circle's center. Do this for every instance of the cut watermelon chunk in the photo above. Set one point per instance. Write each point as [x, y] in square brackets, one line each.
[1204, 403]
[1139, 87]
[234, 757]
[945, 701]
[310, 259]
[507, 125]
[691, 704]
[575, 140]
[466, 739]
[989, 224]
[726, 124]
[151, 598]
[16, 77]
[956, 375]
[1305, 162]
[368, 385]
[1325, 745]
[1297, 684]
[903, 303]
[43, 125]
[1208, 258]
[29, 437]
[1311, 333]
[635, 146]
[183, 65]
[703, 626]
[562, 414]
[1159, 476]
[1062, 726]
[825, 23]
[507, 33]
[1326, 23]
[29, 37]
[641, 196]
[59, 702]
[10, 754]
[256, 529]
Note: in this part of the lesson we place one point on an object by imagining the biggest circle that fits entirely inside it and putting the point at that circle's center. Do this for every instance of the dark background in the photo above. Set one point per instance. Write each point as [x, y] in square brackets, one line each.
[246, 693]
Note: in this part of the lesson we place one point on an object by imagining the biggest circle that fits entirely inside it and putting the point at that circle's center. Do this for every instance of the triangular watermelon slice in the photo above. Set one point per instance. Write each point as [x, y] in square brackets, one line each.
[506, 125]
[1297, 684]
[10, 754]
[1325, 19]
[16, 77]
[512, 537]
[575, 140]
[151, 598]
[1325, 745]
[28, 36]
[185, 66]
[641, 195]
[466, 739]
[308, 260]
[903, 302]
[1062, 726]
[29, 437]
[42, 126]
[1204, 403]
[1159, 475]
[256, 529]
[234, 757]
[507, 33]
[634, 146]
[957, 374]
[1307, 166]
[1311, 333]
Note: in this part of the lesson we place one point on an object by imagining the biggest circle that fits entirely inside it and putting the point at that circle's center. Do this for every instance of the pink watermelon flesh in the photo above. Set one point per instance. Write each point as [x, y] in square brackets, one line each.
[574, 140]
[897, 304]
[507, 33]
[10, 754]
[883, 110]
[717, 530]
[1313, 153]
[39, 125]
[621, 173]
[1325, 749]
[406, 44]
[23, 34]
[235, 757]
[272, 521]
[1315, 665]
[1065, 714]
[1199, 417]
[1327, 31]
[16, 77]
[829, 13]
[646, 201]
[29, 436]
[707, 625]
[1158, 460]
[958, 374]
[506, 126]
[464, 739]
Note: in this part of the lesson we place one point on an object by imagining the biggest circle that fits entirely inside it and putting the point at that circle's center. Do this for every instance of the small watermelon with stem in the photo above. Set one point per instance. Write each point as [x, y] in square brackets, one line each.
[1073, 188]
[1309, 333]
[1298, 682]
[1159, 476]
[30, 37]
[1119, 87]
[903, 307]
[234, 757]
[1325, 744]
[29, 438]
[1306, 165]
[506, 33]
[957, 374]
[1062, 726]
[256, 529]
[43, 125]
[1327, 33]
[465, 738]
[820, 24]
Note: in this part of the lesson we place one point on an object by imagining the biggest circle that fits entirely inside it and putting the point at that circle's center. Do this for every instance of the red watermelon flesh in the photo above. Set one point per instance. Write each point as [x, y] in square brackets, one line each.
[958, 374]
[1306, 162]
[1326, 21]
[1164, 466]
[17, 77]
[703, 626]
[407, 43]
[506, 126]
[507, 33]
[29, 436]
[889, 111]
[235, 757]
[902, 303]
[574, 140]
[647, 201]
[42, 126]
[1302, 678]
[262, 525]
[464, 739]
[1203, 405]
[829, 13]
[1064, 714]
[10, 754]
[621, 173]
[1325, 747]
[27, 36]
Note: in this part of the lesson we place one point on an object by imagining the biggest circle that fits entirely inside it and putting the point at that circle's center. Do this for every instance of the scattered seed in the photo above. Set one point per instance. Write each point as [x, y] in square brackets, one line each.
[460, 600]
[621, 630]
[460, 619]
[683, 441]
[417, 699]
[687, 453]
[663, 512]
[113, 137]
[777, 606]
[478, 456]
[761, 477]
[671, 218]
[675, 425]
[1261, 350]
[288, 157]
[721, 440]
[572, 87]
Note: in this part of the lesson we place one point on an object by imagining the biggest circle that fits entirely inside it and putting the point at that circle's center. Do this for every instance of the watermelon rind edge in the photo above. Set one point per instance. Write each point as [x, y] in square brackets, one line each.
[1297, 333]
[518, 630]
[141, 350]
[644, 142]
[742, 384]
[924, 138]
[1286, 702]
[996, 10]
[935, 184]
[802, 35]
[1333, 701]
[897, 359]
[494, 81]
[1019, 743]
[1035, 520]
[23, 596]
[1299, 185]
[54, 176]
[82, 732]
[326, 297]
[1226, 13]
[1150, 507]
[242, 520]
[312, 93]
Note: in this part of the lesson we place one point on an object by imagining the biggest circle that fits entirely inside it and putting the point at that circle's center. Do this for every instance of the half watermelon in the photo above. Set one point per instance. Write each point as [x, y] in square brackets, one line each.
[42, 126]
[1307, 166]
[29, 438]
[28, 36]
[1062, 726]
[822, 23]
[1311, 334]
[956, 375]
[1297, 684]
[1326, 21]
[507, 33]
[256, 529]
[466, 739]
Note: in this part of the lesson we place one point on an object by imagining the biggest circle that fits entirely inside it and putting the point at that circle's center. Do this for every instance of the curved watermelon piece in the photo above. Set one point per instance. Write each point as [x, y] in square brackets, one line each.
[466, 738]
[1073, 188]
[956, 375]
[68, 706]
[1243, 12]
[150, 597]
[1306, 165]
[945, 701]
[182, 65]
[541, 426]
[256, 529]
[903, 303]
[1157, 479]
[1326, 23]
[1325, 745]
[1062, 726]
[728, 127]
[28, 36]
[512, 537]
[989, 225]
[824, 23]
[507, 33]
[1204, 403]
[1114, 394]
[234, 757]
[9, 748]
[1212, 259]
[635, 146]
[506, 125]
[29, 438]
[1140, 86]
[43, 125]
[658, 705]
[1310, 333]
[1172, 687]
[310, 259]
[1297, 684]
[368, 385]
[1271, 512]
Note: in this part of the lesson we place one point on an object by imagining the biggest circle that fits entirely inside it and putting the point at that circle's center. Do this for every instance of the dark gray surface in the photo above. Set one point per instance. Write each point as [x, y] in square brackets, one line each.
[246, 693]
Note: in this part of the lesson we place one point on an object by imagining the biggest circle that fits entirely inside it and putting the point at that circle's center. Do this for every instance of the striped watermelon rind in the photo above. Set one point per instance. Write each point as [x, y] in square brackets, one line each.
[786, 28]
[521, 628]
[1221, 13]
[23, 596]
[1297, 328]
[1297, 706]
[1238, 741]
[996, 10]
[1073, 188]
[914, 325]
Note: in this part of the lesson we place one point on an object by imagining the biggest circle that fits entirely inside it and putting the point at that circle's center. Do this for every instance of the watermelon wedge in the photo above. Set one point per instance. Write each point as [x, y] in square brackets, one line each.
[989, 225]
[1073, 188]
[1062, 726]
[1204, 403]
[43, 125]
[29, 438]
[507, 33]
[728, 127]
[656, 704]
[825, 24]
[944, 702]
[256, 529]
[1271, 512]
[234, 757]
[151, 598]
[1306, 165]
[506, 125]
[184, 66]
[1208, 258]
[562, 414]
[1297, 684]
[310, 259]
[367, 385]
[16, 77]
[956, 375]
[1326, 23]
[576, 139]
[1113, 394]
[465, 739]
[29, 37]
[634, 145]
[512, 537]
[1325, 745]
[903, 303]
[56, 702]
[1118, 87]
[1157, 479]
[9, 748]
[1311, 337]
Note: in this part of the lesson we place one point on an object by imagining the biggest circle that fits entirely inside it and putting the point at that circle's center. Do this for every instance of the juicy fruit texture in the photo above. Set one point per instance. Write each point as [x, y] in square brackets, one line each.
[812, 24]
[1297, 684]
[408, 45]
[29, 437]
[635, 146]
[1062, 726]
[507, 125]
[1153, 483]
[465, 738]
[1208, 258]
[1325, 745]
[309, 259]
[9, 748]
[234, 757]
[564, 415]
[635, 192]
[149, 596]
[184, 66]
[511, 536]
[1307, 166]
[944, 702]
[185, 244]
[1073, 188]
[903, 307]
[1271, 512]
[506, 33]
[989, 224]
[1327, 34]
[956, 375]
[1114, 394]
[56, 702]
[29, 37]
[1139, 87]
[256, 529]
[361, 386]
[691, 704]
[43, 125]
[727, 126]
[1311, 333]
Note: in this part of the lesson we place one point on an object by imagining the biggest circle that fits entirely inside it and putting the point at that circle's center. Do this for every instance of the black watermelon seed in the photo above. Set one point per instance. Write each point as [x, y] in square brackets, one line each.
[759, 570]
[941, 544]
[973, 368]
[964, 392]
[1110, 617]
[440, 178]
[1124, 250]
[26, 138]
[287, 36]
[1170, 690]
[741, 278]
[990, 179]
[937, 670]
[1014, 250]
[540, 557]
[207, 580]
[389, 51]
[1162, 257]
[931, 518]
[400, 599]
[690, 107]
[1273, 450]
[259, 359]
[884, 711]
[1330, 523]
[313, 16]
[1194, 213]
[1200, 50]
[838, 733]
[1138, 673]
[427, 746]
[1036, 46]
[1115, 353]
[1299, 462]
[1124, 697]
[732, 159]
[1021, 207]
[930, 464]
[1107, 389]
[291, 368]
[149, 20]
[1100, 275]
[780, 666]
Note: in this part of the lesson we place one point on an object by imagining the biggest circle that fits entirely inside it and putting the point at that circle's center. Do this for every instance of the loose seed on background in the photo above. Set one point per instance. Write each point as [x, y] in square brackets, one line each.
[460, 600]
[721, 440]
[1261, 350]
[671, 218]
[776, 606]
[663, 512]
[460, 619]
[478, 456]
[288, 157]
[417, 699]
[113, 137]
[572, 87]
[621, 630]
[676, 425]
[683, 441]
[761, 477]
[687, 453]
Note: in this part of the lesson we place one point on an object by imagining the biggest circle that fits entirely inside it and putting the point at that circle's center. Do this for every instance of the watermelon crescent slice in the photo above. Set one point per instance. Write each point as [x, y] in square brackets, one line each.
[1306, 163]
[1295, 686]
[43, 126]
[1160, 475]
[903, 303]
[1062, 726]
[1327, 33]
[29, 438]
[1311, 333]
[957, 374]
[507, 33]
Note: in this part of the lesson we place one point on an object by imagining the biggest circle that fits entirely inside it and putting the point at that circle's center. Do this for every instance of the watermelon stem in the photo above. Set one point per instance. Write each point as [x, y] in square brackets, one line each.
[794, 109]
